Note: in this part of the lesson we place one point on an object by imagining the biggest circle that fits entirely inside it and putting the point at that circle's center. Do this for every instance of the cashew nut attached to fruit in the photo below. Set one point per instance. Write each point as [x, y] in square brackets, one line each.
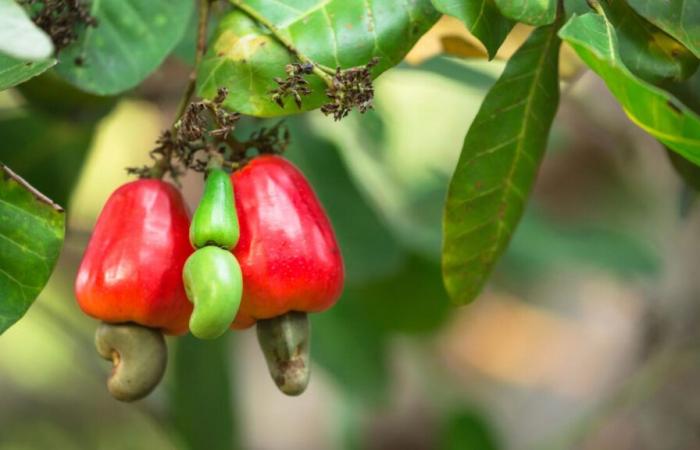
[139, 356]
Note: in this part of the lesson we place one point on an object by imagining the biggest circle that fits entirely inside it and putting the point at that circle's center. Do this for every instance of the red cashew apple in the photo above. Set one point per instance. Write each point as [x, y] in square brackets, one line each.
[287, 250]
[132, 267]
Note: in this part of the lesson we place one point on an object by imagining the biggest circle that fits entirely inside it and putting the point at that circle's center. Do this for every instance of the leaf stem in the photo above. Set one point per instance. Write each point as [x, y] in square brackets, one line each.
[595, 5]
[161, 166]
[204, 8]
[323, 72]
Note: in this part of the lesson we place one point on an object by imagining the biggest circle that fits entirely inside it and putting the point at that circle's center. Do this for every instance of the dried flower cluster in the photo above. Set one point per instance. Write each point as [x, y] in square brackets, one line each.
[203, 127]
[206, 128]
[62, 20]
[351, 88]
[294, 85]
[271, 140]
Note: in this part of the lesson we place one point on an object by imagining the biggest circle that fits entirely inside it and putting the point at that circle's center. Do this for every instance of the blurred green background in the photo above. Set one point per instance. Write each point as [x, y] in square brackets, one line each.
[585, 337]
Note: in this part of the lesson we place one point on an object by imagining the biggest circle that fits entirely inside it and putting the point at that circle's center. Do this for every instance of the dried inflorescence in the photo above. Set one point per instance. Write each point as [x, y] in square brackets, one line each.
[271, 140]
[62, 20]
[295, 85]
[351, 88]
[204, 125]
[162, 156]
[206, 128]
[348, 89]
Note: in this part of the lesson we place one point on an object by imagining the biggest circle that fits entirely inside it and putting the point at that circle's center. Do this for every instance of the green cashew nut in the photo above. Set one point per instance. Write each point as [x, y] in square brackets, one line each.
[215, 221]
[214, 285]
[285, 342]
[139, 356]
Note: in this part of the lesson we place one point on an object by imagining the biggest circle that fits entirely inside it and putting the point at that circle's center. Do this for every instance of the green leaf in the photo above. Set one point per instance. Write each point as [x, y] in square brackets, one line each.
[246, 58]
[13, 71]
[48, 152]
[32, 228]
[531, 12]
[498, 164]
[572, 7]
[482, 18]
[369, 249]
[647, 51]
[654, 110]
[200, 394]
[679, 18]
[19, 37]
[130, 41]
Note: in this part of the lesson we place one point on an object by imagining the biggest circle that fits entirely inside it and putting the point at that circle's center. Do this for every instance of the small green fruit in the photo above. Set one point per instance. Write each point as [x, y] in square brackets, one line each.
[214, 285]
[215, 221]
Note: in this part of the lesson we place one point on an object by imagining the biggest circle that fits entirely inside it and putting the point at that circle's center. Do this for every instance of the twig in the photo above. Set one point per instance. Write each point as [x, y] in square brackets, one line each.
[161, 166]
[204, 6]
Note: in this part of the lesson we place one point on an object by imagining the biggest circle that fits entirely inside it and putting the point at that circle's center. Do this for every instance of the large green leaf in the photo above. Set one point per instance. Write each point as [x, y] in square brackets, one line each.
[498, 164]
[246, 58]
[32, 228]
[679, 18]
[14, 71]
[532, 12]
[19, 37]
[647, 51]
[130, 41]
[656, 111]
[482, 18]
[201, 404]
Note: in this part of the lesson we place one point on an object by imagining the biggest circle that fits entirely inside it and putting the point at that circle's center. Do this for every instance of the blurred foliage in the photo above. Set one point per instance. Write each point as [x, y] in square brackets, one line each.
[52, 96]
[201, 405]
[47, 151]
[413, 300]
[467, 430]
[369, 249]
[689, 172]
[353, 351]
[541, 245]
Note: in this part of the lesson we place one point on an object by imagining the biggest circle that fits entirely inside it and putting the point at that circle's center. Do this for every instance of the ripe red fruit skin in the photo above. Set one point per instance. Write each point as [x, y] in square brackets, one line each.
[132, 268]
[287, 249]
